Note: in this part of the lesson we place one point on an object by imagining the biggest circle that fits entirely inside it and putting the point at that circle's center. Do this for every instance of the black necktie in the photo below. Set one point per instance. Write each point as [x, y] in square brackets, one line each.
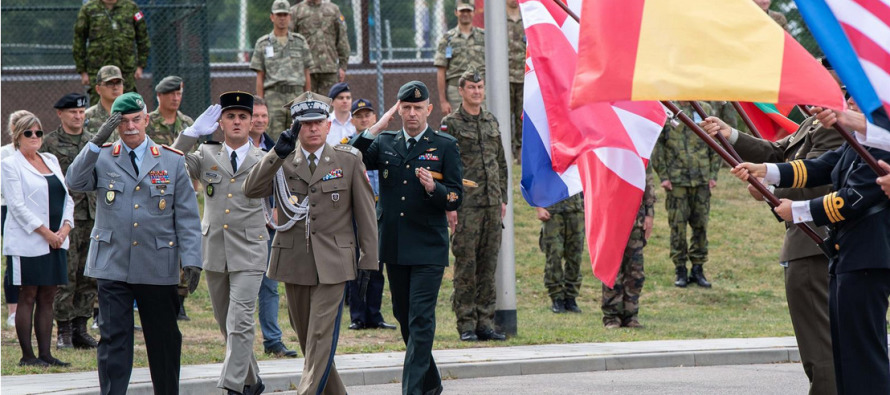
[312, 164]
[411, 143]
[234, 161]
[133, 161]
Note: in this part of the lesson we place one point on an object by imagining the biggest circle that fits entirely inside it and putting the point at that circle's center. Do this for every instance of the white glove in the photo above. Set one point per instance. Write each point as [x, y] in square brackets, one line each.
[206, 123]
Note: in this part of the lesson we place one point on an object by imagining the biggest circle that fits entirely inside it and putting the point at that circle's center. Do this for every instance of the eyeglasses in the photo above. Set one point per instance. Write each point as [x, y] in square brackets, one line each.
[113, 83]
[29, 133]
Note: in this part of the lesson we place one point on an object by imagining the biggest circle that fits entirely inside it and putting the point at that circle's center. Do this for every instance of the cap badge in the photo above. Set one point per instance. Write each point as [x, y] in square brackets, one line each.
[139, 103]
[237, 98]
[416, 93]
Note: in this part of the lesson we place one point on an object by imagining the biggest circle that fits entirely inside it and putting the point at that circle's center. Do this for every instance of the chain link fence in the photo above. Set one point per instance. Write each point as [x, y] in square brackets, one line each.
[209, 44]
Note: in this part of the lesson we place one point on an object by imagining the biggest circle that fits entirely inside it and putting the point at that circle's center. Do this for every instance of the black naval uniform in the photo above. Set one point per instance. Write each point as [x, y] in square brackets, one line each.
[859, 218]
[413, 235]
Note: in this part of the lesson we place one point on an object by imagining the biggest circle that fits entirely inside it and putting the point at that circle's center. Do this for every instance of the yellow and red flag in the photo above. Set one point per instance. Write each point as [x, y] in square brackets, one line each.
[694, 50]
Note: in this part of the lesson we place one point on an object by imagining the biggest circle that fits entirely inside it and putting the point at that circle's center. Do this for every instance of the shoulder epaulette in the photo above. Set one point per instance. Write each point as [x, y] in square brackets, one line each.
[390, 132]
[169, 148]
[106, 145]
[445, 135]
[212, 142]
[346, 148]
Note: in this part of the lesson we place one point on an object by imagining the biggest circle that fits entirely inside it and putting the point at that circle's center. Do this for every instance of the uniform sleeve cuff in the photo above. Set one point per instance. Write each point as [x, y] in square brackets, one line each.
[773, 174]
[93, 147]
[733, 136]
[800, 211]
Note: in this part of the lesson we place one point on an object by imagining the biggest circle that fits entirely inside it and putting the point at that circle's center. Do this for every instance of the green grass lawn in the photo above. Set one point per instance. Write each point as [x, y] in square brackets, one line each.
[747, 300]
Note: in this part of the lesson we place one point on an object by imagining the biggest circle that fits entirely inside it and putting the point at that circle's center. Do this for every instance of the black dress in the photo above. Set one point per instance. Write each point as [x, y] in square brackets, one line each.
[52, 268]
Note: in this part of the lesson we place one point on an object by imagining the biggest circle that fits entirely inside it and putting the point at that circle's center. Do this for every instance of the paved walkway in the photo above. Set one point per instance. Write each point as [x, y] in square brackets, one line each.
[382, 368]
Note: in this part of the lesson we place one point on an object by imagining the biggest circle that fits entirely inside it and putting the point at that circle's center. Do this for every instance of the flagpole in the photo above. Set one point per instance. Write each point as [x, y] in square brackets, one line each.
[746, 119]
[723, 141]
[767, 195]
[855, 144]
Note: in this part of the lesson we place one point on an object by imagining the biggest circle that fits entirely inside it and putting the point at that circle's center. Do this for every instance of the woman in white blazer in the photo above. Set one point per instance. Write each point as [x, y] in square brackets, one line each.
[40, 216]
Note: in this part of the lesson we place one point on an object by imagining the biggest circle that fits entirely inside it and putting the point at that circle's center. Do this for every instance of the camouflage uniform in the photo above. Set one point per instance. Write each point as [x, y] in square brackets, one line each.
[76, 299]
[458, 53]
[284, 77]
[324, 28]
[517, 43]
[562, 238]
[621, 304]
[162, 133]
[94, 117]
[107, 37]
[477, 239]
[688, 163]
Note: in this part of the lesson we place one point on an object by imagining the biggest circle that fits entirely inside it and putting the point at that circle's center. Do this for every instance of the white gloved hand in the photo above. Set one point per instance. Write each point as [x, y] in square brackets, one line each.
[206, 123]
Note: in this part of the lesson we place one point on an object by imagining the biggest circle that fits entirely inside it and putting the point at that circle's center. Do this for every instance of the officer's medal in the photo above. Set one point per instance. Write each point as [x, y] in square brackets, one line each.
[209, 190]
[109, 197]
[162, 204]
[293, 200]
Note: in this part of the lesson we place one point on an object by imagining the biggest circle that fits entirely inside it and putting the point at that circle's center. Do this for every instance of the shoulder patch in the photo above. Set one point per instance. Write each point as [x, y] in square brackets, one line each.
[346, 148]
[169, 148]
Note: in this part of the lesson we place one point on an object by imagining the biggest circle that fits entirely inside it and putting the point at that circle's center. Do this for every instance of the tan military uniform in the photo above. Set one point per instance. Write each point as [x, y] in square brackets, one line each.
[284, 68]
[316, 265]
[325, 29]
[458, 53]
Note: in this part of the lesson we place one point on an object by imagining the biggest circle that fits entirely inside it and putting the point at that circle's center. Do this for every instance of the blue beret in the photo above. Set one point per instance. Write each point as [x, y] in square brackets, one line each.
[337, 89]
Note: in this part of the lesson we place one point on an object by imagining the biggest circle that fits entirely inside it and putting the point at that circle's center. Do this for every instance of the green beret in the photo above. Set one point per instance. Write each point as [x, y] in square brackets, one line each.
[128, 103]
[471, 75]
[169, 84]
[413, 92]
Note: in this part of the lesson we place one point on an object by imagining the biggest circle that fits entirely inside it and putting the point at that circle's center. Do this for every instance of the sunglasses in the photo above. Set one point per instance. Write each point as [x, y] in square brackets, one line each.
[29, 133]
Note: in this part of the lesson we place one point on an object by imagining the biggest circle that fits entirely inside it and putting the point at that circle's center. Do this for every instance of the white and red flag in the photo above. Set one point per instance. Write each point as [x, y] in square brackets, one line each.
[609, 142]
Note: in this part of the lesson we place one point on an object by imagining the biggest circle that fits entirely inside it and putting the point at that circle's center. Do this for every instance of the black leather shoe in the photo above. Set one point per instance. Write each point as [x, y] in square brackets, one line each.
[468, 336]
[384, 325]
[572, 307]
[39, 362]
[682, 280]
[53, 361]
[558, 306]
[255, 389]
[698, 277]
[490, 334]
[357, 325]
[435, 391]
[232, 392]
[281, 351]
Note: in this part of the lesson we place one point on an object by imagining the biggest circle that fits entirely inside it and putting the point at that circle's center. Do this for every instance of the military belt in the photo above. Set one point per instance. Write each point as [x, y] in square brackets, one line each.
[286, 88]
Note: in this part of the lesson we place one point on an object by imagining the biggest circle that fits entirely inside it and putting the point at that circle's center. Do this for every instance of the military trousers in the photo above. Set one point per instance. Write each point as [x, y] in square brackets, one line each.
[562, 240]
[806, 288]
[233, 298]
[76, 299]
[475, 245]
[857, 304]
[622, 302]
[279, 117]
[415, 292]
[315, 312]
[516, 117]
[688, 205]
[323, 82]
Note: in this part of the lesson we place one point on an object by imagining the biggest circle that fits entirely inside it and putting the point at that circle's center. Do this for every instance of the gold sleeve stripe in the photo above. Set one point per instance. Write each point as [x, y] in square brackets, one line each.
[800, 174]
[837, 203]
[826, 205]
[803, 174]
[795, 168]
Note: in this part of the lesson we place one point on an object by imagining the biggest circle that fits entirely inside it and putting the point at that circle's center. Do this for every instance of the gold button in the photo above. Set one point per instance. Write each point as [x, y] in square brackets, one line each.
[403, 198]
[136, 206]
[135, 224]
[227, 211]
[261, 237]
[110, 186]
[138, 187]
[135, 243]
[407, 166]
[402, 214]
[229, 195]
[232, 180]
[226, 226]
[171, 244]
[405, 182]
[97, 237]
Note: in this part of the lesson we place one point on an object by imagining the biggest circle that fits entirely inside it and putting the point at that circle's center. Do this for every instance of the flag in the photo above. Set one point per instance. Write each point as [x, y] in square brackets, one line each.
[694, 50]
[769, 121]
[855, 36]
[603, 148]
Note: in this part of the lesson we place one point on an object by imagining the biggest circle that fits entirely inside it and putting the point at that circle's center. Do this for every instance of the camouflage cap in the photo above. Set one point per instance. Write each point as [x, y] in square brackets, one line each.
[413, 92]
[465, 5]
[471, 75]
[128, 103]
[72, 100]
[280, 7]
[108, 73]
[362, 104]
[309, 106]
[236, 100]
[169, 84]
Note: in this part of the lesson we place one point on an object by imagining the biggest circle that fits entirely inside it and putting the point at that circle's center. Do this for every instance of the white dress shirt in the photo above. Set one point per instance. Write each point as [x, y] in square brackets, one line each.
[339, 130]
[240, 151]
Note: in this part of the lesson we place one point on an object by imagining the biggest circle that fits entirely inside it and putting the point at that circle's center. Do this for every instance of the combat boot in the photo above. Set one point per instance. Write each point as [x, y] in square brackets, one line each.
[682, 280]
[611, 322]
[698, 277]
[571, 306]
[64, 338]
[558, 306]
[182, 316]
[80, 337]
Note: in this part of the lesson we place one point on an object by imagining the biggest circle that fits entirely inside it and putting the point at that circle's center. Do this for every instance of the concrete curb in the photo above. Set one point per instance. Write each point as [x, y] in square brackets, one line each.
[385, 368]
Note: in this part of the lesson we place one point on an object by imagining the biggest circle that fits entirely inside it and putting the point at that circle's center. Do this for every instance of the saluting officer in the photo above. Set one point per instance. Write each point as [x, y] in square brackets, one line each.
[234, 229]
[146, 221]
[323, 200]
[420, 179]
